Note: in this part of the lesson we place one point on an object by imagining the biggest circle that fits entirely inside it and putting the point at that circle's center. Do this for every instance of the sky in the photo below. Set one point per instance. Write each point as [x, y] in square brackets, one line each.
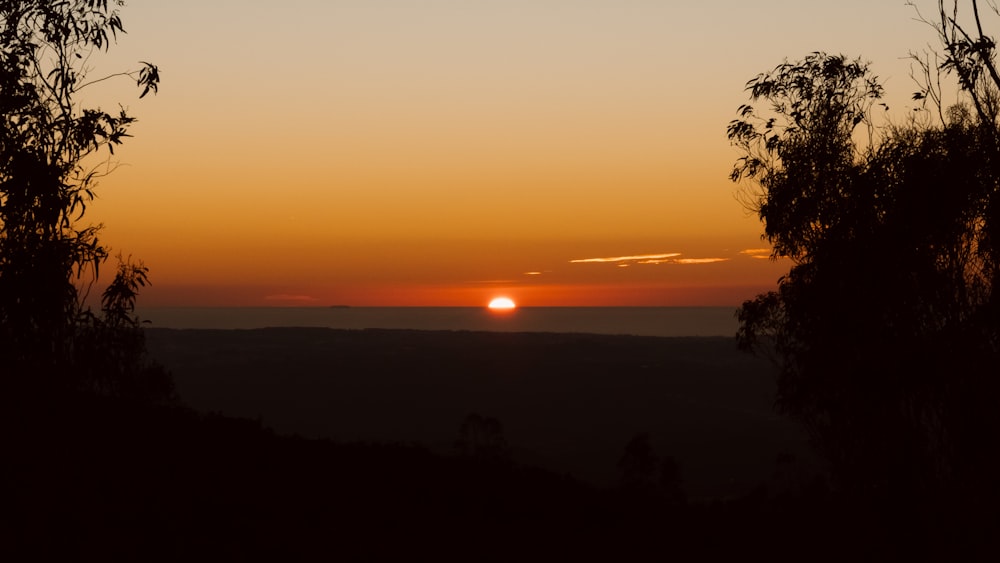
[445, 152]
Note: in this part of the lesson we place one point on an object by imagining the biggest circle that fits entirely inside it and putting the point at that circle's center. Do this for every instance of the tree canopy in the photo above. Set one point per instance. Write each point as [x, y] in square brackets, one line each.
[886, 329]
[47, 177]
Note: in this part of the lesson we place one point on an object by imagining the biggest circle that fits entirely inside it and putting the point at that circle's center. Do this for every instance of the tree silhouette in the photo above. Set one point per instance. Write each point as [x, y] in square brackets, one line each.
[638, 464]
[968, 53]
[887, 327]
[48, 172]
[481, 438]
[110, 349]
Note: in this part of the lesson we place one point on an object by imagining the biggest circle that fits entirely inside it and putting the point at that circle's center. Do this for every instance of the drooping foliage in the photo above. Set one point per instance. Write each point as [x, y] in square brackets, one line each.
[48, 147]
[886, 329]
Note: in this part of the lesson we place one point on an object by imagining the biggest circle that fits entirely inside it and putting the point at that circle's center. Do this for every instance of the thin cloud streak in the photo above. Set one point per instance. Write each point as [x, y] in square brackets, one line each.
[758, 253]
[700, 260]
[649, 259]
[684, 261]
[626, 258]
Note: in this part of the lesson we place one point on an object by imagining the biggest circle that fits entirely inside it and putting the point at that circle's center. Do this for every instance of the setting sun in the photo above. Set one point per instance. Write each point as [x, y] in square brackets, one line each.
[502, 303]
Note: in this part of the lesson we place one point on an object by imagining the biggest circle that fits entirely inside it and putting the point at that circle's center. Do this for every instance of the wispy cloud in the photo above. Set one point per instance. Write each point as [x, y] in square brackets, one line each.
[532, 273]
[701, 260]
[657, 261]
[649, 259]
[635, 258]
[758, 253]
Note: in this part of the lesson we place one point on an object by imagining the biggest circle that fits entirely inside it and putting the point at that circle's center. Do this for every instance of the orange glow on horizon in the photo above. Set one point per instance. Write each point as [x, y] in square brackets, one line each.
[536, 295]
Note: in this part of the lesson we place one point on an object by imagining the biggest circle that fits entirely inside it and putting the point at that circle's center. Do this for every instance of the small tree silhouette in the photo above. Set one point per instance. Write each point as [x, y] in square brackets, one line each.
[638, 464]
[112, 346]
[643, 473]
[481, 438]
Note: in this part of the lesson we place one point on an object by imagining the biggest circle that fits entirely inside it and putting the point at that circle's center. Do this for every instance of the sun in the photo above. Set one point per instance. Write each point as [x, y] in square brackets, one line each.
[502, 304]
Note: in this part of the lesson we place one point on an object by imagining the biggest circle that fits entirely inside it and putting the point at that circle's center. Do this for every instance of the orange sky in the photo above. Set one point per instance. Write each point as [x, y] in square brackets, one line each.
[442, 152]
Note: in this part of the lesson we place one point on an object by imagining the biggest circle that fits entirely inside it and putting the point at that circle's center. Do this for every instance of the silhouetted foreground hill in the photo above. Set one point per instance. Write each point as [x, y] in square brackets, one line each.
[84, 478]
[108, 480]
[96, 479]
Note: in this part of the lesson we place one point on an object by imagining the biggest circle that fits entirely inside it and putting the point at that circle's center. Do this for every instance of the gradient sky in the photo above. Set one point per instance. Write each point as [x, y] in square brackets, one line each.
[443, 152]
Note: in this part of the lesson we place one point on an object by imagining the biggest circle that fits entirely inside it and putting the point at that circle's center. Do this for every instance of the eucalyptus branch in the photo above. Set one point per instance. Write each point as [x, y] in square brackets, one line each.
[131, 74]
[930, 85]
[988, 58]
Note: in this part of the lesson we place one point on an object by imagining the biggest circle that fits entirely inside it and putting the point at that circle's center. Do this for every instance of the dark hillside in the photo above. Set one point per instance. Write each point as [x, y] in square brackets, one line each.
[89, 479]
